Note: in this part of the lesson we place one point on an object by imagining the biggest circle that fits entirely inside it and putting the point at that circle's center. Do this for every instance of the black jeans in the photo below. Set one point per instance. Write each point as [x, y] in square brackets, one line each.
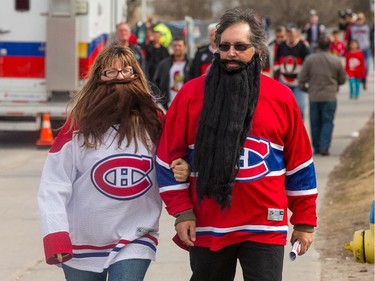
[259, 262]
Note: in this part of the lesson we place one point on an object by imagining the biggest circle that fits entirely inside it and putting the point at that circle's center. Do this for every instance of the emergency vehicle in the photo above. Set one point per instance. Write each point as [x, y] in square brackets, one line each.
[46, 50]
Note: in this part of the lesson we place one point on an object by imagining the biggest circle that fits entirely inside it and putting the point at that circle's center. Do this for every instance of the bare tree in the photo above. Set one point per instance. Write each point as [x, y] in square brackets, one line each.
[133, 14]
[177, 10]
[297, 11]
[279, 12]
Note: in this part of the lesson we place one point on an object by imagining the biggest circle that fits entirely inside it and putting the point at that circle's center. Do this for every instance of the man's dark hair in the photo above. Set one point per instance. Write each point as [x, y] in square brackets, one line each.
[245, 15]
[179, 38]
[324, 43]
[280, 28]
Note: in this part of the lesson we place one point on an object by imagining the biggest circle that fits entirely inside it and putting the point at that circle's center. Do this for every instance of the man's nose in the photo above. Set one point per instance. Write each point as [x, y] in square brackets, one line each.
[232, 51]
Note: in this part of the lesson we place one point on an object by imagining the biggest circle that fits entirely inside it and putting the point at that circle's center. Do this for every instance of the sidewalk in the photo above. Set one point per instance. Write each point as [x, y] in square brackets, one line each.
[22, 255]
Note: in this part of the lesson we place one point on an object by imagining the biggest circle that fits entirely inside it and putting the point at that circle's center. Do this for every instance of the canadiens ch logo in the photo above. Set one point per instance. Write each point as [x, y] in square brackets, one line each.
[123, 176]
[253, 163]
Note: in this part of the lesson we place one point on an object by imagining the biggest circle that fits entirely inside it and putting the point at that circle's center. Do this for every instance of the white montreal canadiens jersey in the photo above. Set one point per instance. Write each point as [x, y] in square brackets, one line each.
[101, 205]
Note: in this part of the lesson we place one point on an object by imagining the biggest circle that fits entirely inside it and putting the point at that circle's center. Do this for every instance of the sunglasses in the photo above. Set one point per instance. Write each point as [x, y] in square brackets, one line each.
[240, 47]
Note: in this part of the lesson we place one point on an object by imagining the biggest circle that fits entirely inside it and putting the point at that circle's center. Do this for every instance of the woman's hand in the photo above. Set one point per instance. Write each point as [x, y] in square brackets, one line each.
[61, 256]
[181, 169]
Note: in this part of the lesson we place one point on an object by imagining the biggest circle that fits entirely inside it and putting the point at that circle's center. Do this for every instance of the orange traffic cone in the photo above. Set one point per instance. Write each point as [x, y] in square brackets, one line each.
[46, 137]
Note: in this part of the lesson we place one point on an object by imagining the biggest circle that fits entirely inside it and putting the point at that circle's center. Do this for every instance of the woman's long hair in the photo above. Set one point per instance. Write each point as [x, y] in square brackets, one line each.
[126, 102]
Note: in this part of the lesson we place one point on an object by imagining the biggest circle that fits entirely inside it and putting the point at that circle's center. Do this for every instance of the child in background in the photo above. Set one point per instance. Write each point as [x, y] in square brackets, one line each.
[337, 46]
[355, 68]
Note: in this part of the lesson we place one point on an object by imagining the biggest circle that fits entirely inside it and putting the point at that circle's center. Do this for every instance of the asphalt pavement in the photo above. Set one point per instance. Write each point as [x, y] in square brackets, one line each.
[21, 242]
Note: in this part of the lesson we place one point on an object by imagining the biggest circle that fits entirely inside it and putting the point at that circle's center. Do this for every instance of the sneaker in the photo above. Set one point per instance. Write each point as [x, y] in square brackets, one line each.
[324, 153]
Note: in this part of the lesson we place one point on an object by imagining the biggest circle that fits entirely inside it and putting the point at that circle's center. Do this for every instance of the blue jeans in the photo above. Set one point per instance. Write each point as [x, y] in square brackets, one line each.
[322, 115]
[301, 99]
[367, 55]
[355, 87]
[125, 270]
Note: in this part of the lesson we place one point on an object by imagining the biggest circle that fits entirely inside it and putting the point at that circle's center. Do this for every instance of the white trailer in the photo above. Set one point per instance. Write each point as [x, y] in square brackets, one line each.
[46, 50]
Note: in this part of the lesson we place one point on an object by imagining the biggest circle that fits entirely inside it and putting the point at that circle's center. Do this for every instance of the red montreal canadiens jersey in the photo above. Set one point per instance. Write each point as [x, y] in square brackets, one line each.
[100, 205]
[276, 170]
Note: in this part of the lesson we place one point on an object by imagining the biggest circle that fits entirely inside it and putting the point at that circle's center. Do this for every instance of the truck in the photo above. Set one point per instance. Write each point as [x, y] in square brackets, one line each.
[46, 50]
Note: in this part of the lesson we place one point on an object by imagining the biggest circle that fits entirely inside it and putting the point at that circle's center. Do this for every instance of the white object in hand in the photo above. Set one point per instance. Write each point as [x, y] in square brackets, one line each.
[295, 250]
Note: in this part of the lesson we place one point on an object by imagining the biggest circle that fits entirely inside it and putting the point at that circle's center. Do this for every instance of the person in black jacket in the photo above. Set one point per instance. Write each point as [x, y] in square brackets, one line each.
[314, 31]
[172, 72]
[204, 55]
[155, 52]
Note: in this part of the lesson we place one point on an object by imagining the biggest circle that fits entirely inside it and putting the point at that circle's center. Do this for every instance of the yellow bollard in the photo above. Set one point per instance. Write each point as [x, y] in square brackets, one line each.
[362, 245]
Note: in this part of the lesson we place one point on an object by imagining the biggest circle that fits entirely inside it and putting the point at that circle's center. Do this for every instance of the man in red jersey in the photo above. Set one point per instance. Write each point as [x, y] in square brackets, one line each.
[251, 159]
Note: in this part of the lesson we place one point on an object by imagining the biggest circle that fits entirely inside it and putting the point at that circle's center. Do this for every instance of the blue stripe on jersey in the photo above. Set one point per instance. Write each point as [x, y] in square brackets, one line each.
[275, 160]
[24, 49]
[189, 156]
[91, 255]
[220, 234]
[303, 179]
[258, 159]
[142, 242]
[165, 176]
[116, 249]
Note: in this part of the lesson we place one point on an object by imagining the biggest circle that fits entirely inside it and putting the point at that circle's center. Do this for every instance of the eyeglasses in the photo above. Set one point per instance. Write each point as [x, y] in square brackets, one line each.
[113, 73]
[240, 47]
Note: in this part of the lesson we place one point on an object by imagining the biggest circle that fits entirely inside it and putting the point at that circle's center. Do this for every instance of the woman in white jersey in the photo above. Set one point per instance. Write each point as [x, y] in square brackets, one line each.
[99, 199]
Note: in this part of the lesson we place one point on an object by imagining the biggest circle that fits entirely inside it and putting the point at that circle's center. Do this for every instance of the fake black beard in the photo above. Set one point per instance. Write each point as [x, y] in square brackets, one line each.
[231, 95]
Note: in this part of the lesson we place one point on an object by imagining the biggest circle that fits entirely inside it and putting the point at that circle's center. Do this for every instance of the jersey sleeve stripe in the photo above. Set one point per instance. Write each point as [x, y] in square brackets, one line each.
[302, 192]
[181, 186]
[166, 178]
[301, 180]
[300, 167]
[162, 163]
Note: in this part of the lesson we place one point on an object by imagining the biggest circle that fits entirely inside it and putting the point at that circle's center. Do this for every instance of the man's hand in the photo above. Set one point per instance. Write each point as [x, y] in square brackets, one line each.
[186, 232]
[305, 238]
[180, 169]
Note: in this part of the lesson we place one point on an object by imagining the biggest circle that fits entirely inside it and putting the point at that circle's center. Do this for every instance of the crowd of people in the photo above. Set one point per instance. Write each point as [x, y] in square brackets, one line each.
[168, 68]
[298, 59]
[351, 40]
[227, 174]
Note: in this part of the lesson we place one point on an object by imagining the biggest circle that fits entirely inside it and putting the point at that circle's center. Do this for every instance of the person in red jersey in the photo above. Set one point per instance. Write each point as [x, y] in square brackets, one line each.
[355, 67]
[251, 158]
